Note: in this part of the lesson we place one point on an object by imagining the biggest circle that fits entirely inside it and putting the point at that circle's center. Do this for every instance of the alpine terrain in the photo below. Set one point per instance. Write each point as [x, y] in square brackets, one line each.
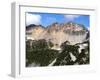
[58, 44]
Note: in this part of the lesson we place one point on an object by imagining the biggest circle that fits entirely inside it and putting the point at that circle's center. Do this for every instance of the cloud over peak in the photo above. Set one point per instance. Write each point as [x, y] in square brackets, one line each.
[71, 17]
[33, 19]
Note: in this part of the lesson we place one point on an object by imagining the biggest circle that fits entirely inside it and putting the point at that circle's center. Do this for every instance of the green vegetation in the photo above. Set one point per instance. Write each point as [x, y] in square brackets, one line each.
[64, 57]
[40, 52]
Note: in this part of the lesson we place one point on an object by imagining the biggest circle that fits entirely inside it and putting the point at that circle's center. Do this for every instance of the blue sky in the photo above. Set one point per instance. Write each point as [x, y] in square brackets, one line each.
[46, 19]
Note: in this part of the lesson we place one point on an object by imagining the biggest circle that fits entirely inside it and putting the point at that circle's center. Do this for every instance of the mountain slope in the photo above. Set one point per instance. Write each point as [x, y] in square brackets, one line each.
[58, 33]
[57, 45]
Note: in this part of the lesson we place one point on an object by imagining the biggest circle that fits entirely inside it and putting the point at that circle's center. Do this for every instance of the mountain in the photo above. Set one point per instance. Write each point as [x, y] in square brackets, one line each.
[57, 45]
[58, 33]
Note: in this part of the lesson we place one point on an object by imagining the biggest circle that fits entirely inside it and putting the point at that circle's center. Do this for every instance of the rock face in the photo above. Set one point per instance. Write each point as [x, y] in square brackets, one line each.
[57, 45]
[58, 33]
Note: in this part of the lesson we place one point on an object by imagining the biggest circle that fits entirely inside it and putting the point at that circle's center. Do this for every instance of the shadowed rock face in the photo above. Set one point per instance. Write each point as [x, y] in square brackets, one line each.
[41, 53]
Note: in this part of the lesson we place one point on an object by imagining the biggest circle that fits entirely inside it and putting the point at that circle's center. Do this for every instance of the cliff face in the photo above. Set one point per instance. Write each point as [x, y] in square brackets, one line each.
[57, 45]
[58, 33]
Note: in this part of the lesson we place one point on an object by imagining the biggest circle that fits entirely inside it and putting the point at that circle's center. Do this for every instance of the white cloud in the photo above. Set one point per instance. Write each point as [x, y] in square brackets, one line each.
[71, 17]
[33, 19]
[88, 28]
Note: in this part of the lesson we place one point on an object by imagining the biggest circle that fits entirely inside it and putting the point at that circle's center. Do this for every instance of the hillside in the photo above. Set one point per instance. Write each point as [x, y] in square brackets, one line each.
[58, 33]
[57, 45]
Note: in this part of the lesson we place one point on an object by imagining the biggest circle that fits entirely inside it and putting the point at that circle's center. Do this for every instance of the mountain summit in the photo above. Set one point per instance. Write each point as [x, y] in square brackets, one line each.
[58, 33]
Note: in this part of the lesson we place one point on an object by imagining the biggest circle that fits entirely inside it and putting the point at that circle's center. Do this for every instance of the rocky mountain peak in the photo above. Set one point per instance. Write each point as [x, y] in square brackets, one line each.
[33, 26]
[58, 32]
[66, 26]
